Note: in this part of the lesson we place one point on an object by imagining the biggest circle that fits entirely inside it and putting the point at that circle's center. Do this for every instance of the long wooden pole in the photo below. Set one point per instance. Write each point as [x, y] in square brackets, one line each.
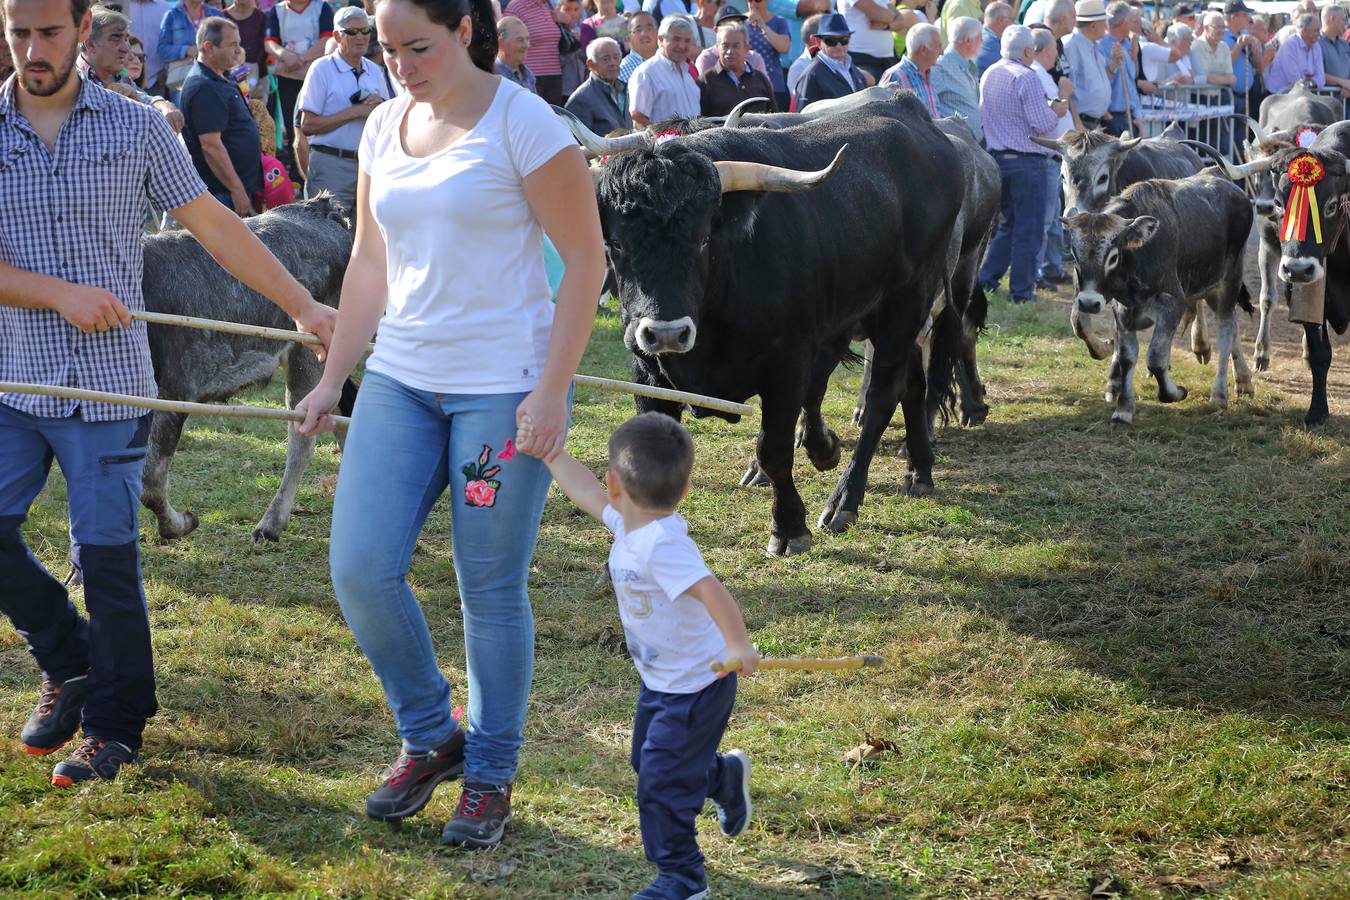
[807, 664]
[176, 406]
[608, 384]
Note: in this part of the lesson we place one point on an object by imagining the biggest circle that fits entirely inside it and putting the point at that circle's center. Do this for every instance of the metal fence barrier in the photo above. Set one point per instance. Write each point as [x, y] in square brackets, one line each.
[1204, 110]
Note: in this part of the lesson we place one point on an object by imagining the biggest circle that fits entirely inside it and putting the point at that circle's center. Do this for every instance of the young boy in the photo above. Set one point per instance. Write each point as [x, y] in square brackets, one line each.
[678, 619]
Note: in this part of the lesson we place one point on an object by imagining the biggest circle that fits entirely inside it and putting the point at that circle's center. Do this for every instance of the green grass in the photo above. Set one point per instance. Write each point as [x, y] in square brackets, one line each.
[1113, 658]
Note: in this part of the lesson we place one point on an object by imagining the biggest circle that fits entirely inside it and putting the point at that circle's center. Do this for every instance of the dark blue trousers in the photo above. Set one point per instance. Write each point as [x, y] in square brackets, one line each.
[675, 738]
[102, 463]
[1021, 232]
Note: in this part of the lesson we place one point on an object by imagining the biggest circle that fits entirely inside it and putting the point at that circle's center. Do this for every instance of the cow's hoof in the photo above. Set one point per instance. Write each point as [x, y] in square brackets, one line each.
[1202, 354]
[1246, 389]
[1218, 401]
[976, 416]
[1316, 420]
[1172, 397]
[754, 476]
[779, 546]
[1261, 362]
[1122, 418]
[838, 521]
[177, 525]
[261, 534]
[830, 458]
[918, 487]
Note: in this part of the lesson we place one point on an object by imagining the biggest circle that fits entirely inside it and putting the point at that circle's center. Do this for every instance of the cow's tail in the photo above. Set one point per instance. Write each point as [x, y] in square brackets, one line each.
[943, 359]
[977, 309]
[347, 402]
[1244, 298]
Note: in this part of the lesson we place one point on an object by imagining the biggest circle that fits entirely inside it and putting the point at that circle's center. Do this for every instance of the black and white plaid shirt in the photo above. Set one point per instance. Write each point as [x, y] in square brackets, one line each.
[76, 214]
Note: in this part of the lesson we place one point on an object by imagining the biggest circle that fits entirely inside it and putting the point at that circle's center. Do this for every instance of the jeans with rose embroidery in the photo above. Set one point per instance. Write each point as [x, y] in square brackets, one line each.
[404, 448]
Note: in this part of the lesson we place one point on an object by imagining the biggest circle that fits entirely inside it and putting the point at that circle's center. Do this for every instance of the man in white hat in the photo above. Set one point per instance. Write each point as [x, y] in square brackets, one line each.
[339, 92]
[1091, 85]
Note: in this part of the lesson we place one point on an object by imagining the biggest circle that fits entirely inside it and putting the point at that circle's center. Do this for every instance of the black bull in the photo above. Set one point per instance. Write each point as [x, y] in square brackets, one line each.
[732, 290]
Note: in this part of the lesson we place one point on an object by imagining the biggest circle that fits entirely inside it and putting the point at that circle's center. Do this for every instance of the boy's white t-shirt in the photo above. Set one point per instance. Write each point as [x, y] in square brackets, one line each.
[673, 640]
[468, 308]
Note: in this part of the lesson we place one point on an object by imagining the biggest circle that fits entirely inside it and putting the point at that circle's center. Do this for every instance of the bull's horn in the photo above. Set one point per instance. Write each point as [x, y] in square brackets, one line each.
[595, 145]
[734, 117]
[1255, 126]
[752, 176]
[1238, 172]
[1047, 143]
[1127, 144]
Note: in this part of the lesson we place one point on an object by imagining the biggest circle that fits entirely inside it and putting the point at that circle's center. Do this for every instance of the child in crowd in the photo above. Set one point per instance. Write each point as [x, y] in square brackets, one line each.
[678, 619]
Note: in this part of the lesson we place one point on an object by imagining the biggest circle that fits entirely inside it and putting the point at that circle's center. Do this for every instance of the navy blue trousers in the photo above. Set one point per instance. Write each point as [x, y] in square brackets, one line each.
[675, 738]
[1021, 231]
[102, 463]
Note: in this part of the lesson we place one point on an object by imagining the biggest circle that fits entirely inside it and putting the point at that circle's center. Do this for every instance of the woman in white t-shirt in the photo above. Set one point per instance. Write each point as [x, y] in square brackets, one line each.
[460, 176]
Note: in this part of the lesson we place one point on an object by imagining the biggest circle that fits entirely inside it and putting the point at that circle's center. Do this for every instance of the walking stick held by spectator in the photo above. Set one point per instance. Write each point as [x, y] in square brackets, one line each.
[806, 664]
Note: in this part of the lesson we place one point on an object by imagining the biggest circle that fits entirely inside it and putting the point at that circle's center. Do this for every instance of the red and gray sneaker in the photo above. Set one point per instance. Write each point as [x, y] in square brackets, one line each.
[480, 819]
[56, 718]
[410, 781]
[94, 758]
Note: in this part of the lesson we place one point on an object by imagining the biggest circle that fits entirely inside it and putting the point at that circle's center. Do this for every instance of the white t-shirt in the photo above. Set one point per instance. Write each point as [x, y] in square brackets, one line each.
[873, 42]
[468, 308]
[1051, 92]
[673, 640]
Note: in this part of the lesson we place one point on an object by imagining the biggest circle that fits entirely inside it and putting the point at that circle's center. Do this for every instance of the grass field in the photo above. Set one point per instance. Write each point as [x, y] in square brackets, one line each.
[1117, 661]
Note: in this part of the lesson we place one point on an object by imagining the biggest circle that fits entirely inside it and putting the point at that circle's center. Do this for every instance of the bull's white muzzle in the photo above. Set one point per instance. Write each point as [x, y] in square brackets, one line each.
[656, 336]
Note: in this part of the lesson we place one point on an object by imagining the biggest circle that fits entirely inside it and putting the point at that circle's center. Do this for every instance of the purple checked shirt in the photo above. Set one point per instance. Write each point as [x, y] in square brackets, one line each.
[1294, 60]
[1013, 108]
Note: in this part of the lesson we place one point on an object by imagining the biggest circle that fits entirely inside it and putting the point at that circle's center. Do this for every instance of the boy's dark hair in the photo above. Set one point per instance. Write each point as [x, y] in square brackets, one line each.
[653, 455]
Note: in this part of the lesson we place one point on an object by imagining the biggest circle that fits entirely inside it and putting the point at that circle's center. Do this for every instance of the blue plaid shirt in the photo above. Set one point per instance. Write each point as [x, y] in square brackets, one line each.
[76, 214]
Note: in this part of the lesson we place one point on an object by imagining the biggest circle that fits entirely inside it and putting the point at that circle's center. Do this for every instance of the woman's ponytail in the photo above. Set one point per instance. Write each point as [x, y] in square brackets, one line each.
[483, 44]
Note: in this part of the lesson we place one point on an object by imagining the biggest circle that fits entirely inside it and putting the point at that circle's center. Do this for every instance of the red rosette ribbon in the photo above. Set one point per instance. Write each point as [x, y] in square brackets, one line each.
[1305, 173]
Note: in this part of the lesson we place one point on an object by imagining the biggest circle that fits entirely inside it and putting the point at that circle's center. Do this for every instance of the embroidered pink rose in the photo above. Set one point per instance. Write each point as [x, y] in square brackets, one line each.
[509, 452]
[480, 493]
[482, 486]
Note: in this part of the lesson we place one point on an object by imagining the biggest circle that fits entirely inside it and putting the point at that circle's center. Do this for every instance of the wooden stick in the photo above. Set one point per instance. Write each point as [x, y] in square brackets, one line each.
[299, 337]
[177, 406]
[806, 664]
[258, 331]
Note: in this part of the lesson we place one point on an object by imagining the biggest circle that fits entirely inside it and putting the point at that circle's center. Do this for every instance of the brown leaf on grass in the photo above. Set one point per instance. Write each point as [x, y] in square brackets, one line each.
[1180, 884]
[869, 750]
[502, 870]
[302, 511]
[797, 872]
[1232, 858]
[328, 484]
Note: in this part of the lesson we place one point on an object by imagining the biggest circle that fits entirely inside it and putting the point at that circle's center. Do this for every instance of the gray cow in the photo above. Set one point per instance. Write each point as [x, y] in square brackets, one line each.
[1156, 250]
[313, 240]
[1097, 167]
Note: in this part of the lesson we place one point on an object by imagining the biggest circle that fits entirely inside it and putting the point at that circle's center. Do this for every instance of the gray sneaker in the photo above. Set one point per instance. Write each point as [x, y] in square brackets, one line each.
[410, 781]
[481, 817]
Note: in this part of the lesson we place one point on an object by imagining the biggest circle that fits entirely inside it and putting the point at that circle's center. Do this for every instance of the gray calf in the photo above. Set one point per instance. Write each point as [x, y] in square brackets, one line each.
[1156, 250]
[313, 240]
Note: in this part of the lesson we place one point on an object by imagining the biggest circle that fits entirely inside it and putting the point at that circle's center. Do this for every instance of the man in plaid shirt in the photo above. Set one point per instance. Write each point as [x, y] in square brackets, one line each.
[78, 164]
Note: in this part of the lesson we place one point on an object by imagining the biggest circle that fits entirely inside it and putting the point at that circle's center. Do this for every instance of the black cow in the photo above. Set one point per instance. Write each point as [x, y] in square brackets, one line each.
[735, 280]
[1308, 261]
[313, 240]
[1155, 250]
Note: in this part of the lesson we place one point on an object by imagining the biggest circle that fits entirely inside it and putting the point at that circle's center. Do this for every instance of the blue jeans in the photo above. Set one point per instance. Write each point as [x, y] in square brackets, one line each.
[675, 738]
[1022, 229]
[404, 448]
[102, 463]
[1050, 261]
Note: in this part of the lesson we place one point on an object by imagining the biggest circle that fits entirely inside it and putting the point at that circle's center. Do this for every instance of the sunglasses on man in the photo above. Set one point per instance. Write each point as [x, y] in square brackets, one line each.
[353, 32]
[834, 41]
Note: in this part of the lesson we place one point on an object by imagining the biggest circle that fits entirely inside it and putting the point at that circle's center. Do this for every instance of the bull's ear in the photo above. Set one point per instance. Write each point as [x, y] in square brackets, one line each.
[1137, 232]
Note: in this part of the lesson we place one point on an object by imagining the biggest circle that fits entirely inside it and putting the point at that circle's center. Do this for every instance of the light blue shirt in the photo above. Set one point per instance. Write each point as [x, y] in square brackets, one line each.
[1088, 71]
[1123, 82]
[956, 90]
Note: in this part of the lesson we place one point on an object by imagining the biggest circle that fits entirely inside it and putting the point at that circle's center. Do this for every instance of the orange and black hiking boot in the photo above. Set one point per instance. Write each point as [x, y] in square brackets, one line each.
[56, 718]
[94, 758]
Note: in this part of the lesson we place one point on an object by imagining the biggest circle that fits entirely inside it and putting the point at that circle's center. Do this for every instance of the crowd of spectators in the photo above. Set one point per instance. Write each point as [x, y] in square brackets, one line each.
[1013, 70]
